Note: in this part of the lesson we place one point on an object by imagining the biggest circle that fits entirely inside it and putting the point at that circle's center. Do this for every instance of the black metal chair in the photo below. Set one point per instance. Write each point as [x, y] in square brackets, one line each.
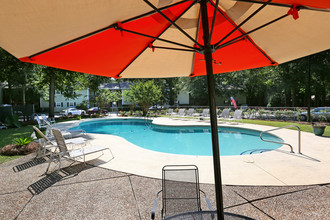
[180, 191]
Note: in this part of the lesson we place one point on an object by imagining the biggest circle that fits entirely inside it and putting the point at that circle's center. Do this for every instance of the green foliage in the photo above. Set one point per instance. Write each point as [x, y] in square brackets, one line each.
[106, 96]
[144, 94]
[23, 141]
[321, 119]
[299, 111]
[7, 136]
[83, 105]
[12, 121]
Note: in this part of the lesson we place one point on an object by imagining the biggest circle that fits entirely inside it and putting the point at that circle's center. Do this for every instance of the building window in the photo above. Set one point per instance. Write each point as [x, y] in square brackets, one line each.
[58, 104]
[71, 104]
[58, 92]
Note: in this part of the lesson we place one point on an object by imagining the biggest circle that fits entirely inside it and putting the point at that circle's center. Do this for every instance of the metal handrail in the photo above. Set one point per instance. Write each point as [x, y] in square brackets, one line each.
[299, 137]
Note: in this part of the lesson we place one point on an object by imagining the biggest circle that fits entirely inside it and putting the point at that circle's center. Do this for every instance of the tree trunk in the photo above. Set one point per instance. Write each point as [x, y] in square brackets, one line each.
[9, 94]
[24, 90]
[294, 97]
[52, 96]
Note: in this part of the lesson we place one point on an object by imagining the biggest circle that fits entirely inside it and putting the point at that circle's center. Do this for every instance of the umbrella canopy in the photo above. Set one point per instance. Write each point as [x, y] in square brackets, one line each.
[165, 38]
[97, 36]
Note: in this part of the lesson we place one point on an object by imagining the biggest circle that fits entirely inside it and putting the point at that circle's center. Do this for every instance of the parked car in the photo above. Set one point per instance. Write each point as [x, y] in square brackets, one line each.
[95, 110]
[315, 113]
[72, 112]
[156, 107]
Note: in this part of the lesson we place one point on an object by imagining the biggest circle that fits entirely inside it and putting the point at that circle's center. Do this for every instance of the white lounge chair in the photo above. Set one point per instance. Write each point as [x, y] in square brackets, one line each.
[66, 154]
[205, 114]
[181, 112]
[45, 118]
[51, 145]
[169, 112]
[190, 112]
[224, 114]
[66, 133]
[41, 122]
[237, 116]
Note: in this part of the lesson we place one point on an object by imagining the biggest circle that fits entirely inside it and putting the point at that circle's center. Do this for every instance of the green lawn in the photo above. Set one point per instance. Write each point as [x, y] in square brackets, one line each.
[303, 127]
[9, 135]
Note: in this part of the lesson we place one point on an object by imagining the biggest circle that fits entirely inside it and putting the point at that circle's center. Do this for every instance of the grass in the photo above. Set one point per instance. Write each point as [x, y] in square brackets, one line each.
[303, 126]
[8, 136]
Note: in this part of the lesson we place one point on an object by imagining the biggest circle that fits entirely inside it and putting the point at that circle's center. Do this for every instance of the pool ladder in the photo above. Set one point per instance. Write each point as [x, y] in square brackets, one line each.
[299, 137]
[148, 123]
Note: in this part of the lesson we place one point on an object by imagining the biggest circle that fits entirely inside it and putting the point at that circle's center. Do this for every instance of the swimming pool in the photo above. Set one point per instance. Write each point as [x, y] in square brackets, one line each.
[185, 140]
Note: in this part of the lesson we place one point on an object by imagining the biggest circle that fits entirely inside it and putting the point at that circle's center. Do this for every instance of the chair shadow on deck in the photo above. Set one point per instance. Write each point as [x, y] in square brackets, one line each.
[56, 176]
[29, 164]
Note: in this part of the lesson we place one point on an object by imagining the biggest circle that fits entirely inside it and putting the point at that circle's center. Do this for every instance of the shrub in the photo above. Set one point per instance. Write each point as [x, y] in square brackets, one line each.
[23, 141]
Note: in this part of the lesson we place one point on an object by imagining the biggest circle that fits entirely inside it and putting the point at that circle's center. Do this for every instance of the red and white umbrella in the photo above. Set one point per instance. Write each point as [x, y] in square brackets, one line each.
[165, 38]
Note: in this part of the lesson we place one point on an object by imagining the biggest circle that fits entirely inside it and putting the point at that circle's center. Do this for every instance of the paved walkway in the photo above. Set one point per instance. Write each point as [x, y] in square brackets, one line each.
[97, 193]
[274, 168]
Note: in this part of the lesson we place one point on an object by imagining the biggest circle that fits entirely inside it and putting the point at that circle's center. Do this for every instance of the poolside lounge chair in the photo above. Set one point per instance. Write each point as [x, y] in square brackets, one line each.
[48, 145]
[237, 116]
[190, 112]
[181, 112]
[180, 191]
[67, 133]
[170, 112]
[225, 114]
[205, 114]
[66, 154]
[50, 120]
[41, 122]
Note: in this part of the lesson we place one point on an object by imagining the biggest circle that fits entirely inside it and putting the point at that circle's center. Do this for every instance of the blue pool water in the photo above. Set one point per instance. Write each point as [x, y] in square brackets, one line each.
[182, 140]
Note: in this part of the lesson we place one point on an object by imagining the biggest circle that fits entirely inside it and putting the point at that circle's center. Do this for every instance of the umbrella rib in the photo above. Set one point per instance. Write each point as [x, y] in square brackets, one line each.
[152, 37]
[172, 48]
[72, 41]
[197, 33]
[154, 11]
[284, 5]
[262, 52]
[173, 23]
[243, 22]
[118, 75]
[213, 20]
[247, 33]
[103, 29]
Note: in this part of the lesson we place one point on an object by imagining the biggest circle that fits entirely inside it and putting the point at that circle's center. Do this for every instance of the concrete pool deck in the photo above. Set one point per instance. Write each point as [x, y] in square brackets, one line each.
[274, 168]
[93, 192]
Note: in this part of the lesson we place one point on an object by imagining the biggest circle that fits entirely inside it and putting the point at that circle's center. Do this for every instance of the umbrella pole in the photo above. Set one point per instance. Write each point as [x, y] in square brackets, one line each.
[213, 114]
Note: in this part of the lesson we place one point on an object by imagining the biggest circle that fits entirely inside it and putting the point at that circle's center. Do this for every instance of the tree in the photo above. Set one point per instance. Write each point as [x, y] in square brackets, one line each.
[16, 74]
[93, 82]
[49, 79]
[107, 96]
[144, 93]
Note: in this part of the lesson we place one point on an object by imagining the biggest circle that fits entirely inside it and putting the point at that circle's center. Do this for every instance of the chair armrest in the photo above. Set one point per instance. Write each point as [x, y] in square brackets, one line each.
[153, 212]
[207, 201]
